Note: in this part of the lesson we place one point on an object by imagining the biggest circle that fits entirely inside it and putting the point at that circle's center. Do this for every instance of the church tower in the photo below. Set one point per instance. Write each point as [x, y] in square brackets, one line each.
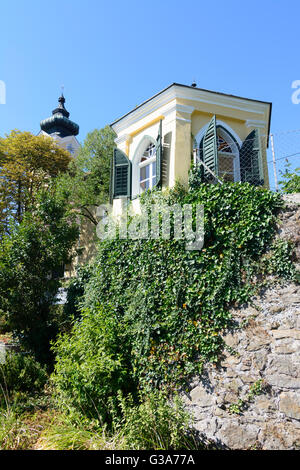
[61, 128]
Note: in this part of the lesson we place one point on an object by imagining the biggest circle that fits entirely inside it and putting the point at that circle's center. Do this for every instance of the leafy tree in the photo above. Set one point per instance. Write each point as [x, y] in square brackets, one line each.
[89, 175]
[291, 180]
[27, 163]
[35, 249]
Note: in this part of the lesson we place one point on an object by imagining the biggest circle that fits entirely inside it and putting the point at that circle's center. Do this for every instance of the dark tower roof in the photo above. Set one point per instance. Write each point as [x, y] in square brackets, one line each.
[59, 123]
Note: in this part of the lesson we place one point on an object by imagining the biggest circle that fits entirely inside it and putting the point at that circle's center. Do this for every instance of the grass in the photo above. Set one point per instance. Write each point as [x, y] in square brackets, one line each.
[20, 432]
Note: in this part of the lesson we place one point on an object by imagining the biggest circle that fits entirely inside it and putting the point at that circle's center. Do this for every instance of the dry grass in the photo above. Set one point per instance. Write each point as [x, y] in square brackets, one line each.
[50, 430]
[21, 432]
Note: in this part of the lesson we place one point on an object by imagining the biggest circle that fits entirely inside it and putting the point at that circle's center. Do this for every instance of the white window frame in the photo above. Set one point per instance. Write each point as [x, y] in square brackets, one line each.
[149, 162]
[235, 154]
[137, 164]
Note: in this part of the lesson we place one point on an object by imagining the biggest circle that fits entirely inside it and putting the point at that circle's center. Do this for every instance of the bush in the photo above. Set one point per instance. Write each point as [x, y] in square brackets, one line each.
[93, 363]
[29, 256]
[291, 180]
[22, 373]
[157, 424]
[75, 292]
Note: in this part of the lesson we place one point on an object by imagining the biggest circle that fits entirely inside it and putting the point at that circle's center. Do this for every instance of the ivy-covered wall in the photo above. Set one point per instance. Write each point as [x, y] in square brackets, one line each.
[251, 399]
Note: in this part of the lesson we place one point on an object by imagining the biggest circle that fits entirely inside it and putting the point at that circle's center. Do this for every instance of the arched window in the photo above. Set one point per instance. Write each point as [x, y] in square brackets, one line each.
[144, 174]
[228, 156]
[223, 152]
[147, 168]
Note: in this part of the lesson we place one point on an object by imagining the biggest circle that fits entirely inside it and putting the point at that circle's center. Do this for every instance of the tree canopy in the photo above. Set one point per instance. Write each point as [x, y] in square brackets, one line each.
[88, 178]
[29, 258]
[27, 163]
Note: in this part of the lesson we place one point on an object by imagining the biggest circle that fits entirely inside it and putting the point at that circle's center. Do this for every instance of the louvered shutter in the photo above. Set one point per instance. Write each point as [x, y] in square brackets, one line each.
[210, 149]
[121, 174]
[159, 156]
[251, 159]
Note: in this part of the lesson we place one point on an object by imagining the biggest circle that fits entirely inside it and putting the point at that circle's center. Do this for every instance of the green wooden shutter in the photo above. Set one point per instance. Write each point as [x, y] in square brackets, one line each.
[251, 160]
[121, 174]
[111, 184]
[159, 156]
[210, 149]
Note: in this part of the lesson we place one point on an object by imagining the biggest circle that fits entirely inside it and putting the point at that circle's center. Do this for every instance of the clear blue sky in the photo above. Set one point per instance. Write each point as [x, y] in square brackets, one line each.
[111, 56]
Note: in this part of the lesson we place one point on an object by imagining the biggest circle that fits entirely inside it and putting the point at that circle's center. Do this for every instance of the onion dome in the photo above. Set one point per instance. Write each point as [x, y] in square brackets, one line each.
[59, 123]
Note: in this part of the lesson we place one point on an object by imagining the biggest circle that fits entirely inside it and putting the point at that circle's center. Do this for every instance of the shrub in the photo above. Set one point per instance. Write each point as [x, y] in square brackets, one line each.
[33, 251]
[157, 424]
[22, 373]
[75, 292]
[93, 363]
[291, 180]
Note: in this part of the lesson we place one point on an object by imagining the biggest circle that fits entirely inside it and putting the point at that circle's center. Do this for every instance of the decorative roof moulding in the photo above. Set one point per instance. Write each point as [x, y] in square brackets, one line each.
[179, 91]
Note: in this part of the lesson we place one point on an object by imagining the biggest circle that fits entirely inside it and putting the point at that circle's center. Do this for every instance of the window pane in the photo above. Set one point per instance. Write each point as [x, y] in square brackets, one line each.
[154, 169]
[143, 173]
[226, 167]
[225, 164]
[223, 146]
[149, 152]
[144, 185]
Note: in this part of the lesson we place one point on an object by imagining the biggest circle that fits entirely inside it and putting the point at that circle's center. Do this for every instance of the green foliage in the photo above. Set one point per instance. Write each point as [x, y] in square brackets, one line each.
[195, 177]
[93, 364]
[65, 434]
[22, 373]
[291, 180]
[156, 423]
[153, 423]
[278, 260]
[75, 291]
[174, 301]
[256, 389]
[168, 305]
[28, 163]
[14, 433]
[28, 257]
[89, 173]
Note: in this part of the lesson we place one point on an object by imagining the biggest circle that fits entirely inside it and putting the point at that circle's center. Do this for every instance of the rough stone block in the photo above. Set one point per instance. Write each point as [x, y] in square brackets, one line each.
[289, 404]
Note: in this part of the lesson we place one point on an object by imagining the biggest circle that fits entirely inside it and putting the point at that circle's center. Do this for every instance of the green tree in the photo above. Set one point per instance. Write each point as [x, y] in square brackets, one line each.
[27, 164]
[36, 248]
[89, 173]
[291, 180]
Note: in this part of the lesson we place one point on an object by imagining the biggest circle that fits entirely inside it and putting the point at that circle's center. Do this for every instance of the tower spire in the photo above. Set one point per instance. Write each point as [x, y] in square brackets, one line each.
[59, 122]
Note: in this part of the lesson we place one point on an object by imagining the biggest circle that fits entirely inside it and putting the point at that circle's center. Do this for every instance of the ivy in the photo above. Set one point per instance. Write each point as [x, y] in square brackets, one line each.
[171, 305]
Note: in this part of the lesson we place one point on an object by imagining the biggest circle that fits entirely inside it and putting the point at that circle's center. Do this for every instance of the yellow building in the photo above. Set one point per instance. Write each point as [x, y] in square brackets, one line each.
[225, 135]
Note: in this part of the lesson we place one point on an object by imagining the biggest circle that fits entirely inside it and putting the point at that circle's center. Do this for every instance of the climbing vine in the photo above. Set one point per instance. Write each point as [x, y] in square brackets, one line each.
[170, 305]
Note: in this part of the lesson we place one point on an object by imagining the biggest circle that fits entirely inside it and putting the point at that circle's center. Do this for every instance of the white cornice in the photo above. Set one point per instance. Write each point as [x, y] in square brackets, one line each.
[122, 139]
[183, 119]
[181, 108]
[256, 123]
[177, 92]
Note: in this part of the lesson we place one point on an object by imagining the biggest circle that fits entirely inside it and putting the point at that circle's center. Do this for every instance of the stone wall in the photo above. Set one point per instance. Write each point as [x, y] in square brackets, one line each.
[252, 398]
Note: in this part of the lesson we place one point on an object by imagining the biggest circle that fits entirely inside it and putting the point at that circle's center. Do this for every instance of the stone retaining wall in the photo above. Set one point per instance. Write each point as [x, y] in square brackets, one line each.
[252, 398]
